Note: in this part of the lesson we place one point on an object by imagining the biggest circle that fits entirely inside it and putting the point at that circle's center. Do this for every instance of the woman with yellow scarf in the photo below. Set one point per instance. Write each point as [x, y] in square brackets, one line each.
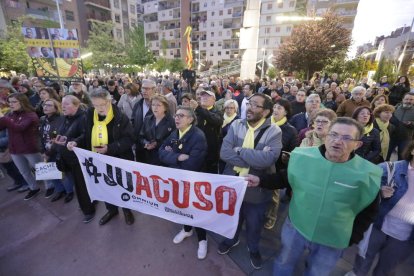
[231, 108]
[108, 131]
[371, 143]
[383, 115]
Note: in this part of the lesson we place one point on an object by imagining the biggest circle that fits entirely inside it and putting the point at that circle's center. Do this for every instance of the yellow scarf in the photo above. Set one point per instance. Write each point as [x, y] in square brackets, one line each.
[248, 143]
[280, 122]
[368, 128]
[182, 133]
[227, 120]
[99, 130]
[384, 137]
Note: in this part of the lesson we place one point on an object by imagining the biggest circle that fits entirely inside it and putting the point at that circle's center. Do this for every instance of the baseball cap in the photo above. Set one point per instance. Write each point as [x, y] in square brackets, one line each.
[208, 92]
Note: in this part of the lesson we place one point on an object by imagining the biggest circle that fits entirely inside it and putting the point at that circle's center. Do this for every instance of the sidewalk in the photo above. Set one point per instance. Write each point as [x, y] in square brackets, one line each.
[38, 237]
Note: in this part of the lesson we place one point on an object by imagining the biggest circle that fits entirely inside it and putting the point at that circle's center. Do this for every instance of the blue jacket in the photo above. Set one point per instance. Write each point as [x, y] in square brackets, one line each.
[299, 121]
[193, 143]
[400, 178]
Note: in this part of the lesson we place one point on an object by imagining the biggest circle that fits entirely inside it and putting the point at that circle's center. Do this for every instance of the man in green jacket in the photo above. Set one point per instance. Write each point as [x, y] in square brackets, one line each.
[335, 198]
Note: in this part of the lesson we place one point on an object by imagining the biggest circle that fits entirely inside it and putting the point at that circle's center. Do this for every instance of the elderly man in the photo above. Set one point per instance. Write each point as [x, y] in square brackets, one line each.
[303, 120]
[141, 110]
[348, 107]
[330, 209]
[252, 145]
[167, 90]
[209, 120]
[404, 133]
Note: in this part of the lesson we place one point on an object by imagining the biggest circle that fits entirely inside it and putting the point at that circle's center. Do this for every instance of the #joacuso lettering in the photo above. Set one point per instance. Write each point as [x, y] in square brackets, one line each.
[152, 184]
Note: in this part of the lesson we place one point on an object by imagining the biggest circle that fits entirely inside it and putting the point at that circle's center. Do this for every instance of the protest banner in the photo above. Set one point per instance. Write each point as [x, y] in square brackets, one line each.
[202, 200]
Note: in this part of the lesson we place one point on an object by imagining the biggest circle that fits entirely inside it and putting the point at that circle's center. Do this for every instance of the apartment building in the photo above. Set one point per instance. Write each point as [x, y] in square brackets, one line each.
[125, 14]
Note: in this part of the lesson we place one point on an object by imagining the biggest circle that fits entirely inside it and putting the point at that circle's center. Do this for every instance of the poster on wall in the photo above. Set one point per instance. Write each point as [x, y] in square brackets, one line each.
[54, 52]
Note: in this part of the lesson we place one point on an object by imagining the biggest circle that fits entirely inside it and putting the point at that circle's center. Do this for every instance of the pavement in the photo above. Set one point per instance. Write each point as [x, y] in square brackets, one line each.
[38, 237]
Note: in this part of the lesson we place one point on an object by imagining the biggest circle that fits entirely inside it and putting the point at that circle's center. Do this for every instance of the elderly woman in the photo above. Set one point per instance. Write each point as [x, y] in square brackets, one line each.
[231, 108]
[72, 130]
[281, 113]
[49, 126]
[371, 143]
[107, 131]
[129, 99]
[219, 105]
[392, 235]
[186, 149]
[22, 124]
[79, 90]
[321, 124]
[383, 115]
[156, 128]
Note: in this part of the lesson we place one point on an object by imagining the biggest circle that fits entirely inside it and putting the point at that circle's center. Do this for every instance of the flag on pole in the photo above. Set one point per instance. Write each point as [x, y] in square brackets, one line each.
[189, 48]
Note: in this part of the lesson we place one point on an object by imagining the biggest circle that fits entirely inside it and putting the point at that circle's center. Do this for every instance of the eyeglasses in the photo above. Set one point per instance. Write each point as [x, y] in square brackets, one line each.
[345, 138]
[180, 115]
[156, 105]
[254, 105]
[48, 105]
[322, 122]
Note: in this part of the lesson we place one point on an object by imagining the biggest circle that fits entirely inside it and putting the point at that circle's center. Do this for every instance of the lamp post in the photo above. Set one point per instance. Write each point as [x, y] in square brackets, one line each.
[263, 60]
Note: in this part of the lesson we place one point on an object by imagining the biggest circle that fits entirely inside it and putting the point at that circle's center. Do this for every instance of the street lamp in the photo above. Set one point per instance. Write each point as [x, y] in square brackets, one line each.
[263, 59]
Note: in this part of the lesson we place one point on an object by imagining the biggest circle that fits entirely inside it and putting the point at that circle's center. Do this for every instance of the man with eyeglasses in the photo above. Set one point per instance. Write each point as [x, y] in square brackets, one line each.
[357, 99]
[252, 146]
[141, 110]
[335, 199]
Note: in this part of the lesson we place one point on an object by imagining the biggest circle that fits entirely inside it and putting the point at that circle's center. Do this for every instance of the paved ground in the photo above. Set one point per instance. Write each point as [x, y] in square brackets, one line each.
[38, 237]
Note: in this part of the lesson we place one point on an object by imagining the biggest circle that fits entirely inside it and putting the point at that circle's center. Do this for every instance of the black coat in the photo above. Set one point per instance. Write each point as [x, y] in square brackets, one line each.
[297, 107]
[397, 92]
[289, 139]
[48, 129]
[371, 146]
[151, 132]
[137, 118]
[210, 122]
[121, 135]
[299, 121]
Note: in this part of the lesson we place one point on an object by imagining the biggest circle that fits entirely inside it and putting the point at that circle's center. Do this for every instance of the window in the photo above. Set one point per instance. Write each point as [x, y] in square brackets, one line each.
[205, 4]
[212, 34]
[229, 11]
[267, 30]
[132, 8]
[228, 33]
[227, 52]
[13, 3]
[118, 33]
[268, 18]
[280, 5]
[117, 18]
[291, 4]
[288, 29]
[212, 13]
[213, 3]
[219, 44]
[219, 53]
[220, 12]
[211, 44]
[170, 13]
[116, 4]
[266, 41]
[69, 15]
[204, 44]
[211, 54]
[133, 23]
[278, 29]
[269, 6]
[220, 23]
[212, 24]
[220, 33]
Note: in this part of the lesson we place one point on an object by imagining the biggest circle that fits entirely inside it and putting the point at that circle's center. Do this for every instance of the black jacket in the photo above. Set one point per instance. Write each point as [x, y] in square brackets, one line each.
[122, 137]
[73, 127]
[289, 138]
[210, 122]
[371, 146]
[48, 129]
[397, 92]
[137, 119]
[297, 107]
[151, 132]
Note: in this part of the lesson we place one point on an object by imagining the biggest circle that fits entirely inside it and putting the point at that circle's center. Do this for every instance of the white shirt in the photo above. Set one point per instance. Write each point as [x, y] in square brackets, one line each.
[145, 109]
[243, 108]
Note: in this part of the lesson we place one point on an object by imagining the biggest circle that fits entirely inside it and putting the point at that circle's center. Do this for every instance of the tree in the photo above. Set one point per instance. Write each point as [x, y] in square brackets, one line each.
[136, 51]
[103, 46]
[176, 65]
[271, 73]
[385, 68]
[313, 43]
[13, 54]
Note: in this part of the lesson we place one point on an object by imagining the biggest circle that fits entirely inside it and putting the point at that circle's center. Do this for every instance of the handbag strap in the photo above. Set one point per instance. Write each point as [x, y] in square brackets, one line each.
[259, 135]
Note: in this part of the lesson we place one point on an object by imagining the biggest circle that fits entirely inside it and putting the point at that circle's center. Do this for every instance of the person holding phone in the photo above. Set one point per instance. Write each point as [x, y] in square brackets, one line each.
[392, 235]
[72, 131]
[107, 131]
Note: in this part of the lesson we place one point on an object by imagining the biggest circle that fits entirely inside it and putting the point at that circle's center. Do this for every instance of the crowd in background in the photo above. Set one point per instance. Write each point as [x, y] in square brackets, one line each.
[204, 124]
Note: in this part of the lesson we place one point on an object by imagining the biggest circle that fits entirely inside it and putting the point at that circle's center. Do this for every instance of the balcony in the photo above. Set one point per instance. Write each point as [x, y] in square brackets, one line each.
[346, 3]
[237, 14]
[98, 17]
[233, 3]
[231, 25]
[99, 3]
[44, 15]
[167, 6]
[151, 18]
[177, 55]
[170, 26]
[346, 13]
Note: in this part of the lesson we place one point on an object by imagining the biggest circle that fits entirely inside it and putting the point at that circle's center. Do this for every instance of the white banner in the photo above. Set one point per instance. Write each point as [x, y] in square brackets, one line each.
[208, 201]
[47, 171]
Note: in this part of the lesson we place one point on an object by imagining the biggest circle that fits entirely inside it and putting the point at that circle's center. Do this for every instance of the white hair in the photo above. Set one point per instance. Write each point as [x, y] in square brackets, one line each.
[359, 89]
[231, 101]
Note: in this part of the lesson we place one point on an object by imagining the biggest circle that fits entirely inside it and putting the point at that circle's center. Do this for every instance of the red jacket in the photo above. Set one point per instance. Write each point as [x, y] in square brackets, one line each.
[23, 128]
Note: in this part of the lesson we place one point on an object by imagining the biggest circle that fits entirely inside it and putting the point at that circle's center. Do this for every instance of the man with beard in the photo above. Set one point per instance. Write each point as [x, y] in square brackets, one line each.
[404, 118]
[252, 146]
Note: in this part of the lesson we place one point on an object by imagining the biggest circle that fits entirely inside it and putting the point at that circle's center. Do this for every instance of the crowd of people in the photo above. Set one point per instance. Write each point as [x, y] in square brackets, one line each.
[327, 142]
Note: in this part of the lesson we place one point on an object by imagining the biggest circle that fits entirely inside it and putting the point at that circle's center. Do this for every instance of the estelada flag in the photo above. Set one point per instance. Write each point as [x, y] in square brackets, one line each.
[189, 48]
